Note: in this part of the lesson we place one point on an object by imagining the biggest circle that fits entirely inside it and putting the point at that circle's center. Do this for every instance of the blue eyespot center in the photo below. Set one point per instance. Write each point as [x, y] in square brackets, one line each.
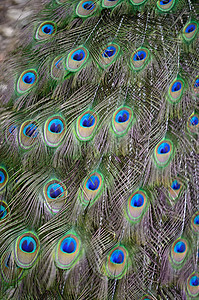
[194, 121]
[87, 120]
[2, 177]
[190, 28]
[58, 64]
[88, 5]
[47, 29]
[139, 55]
[164, 2]
[93, 183]
[122, 116]
[196, 220]
[30, 130]
[194, 281]
[176, 86]
[175, 185]
[29, 78]
[28, 244]
[56, 126]
[7, 262]
[12, 129]
[163, 148]
[117, 257]
[180, 247]
[68, 245]
[3, 212]
[55, 190]
[196, 84]
[137, 200]
[78, 55]
[109, 51]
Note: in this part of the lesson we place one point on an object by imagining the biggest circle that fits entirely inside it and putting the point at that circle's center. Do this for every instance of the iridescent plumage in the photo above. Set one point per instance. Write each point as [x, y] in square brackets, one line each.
[116, 263]
[99, 152]
[26, 81]
[67, 251]
[26, 250]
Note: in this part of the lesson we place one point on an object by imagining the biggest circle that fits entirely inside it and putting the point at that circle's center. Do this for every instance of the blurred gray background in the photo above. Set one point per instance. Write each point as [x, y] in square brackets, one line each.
[13, 16]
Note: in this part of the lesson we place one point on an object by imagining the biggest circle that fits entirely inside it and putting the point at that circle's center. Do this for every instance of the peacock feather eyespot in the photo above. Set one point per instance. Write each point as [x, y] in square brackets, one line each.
[4, 211]
[86, 8]
[179, 251]
[55, 194]
[193, 284]
[189, 31]
[9, 270]
[176, 90]
[193, 123]
[138, 2]
[26, 81]
[92, 187]
[11, 131]
[196, 85]
[86, 125]
[147, 297]
[165, 5]
[46, 30]
[54, 130]
[121, 120]
[67, 251]
[140, 58]
[57, 68]
[175, 189]
[136, 205]
[116, 263]
[110, 3]
[76, 59]
[3, 177]
[194, 120]
[28, 134]
[26, 250]
[109, 54]
[195, 222]
[163, 153]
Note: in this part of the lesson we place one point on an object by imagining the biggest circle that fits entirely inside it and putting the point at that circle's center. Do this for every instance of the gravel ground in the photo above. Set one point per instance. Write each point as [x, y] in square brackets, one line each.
[13, 16]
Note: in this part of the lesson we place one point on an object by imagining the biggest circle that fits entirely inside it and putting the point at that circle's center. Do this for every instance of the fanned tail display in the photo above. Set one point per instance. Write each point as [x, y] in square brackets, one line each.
[99, 160]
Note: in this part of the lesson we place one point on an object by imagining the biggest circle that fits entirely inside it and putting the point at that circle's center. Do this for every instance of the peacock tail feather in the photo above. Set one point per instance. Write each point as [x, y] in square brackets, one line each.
[99, 153]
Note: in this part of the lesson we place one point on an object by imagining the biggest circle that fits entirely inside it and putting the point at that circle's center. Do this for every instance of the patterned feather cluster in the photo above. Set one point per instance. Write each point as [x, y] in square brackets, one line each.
[99, 168]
